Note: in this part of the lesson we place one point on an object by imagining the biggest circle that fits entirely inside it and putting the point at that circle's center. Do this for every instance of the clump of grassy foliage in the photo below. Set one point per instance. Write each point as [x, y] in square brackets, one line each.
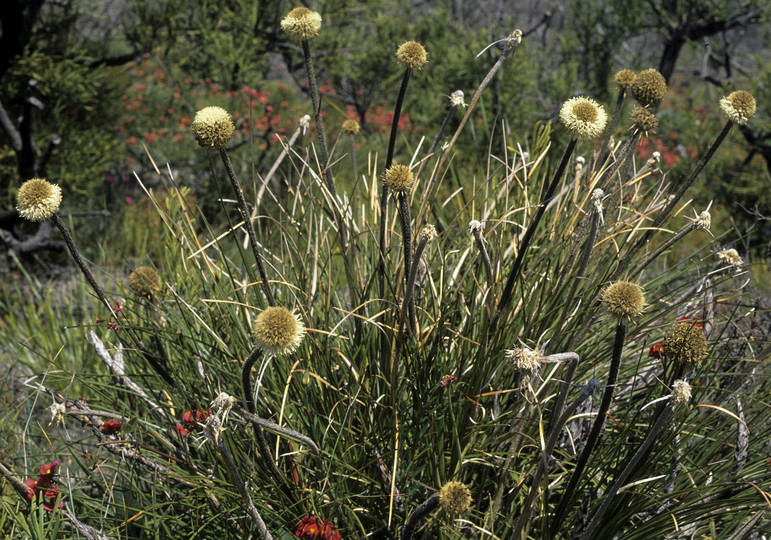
[490, 356]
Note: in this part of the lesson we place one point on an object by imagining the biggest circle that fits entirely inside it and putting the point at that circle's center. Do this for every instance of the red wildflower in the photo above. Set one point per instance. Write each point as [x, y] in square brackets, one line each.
[192, 421]
[312, 527]
[656, 350]
[448, 379]
[43, 487]
[111, 427]
[182, 431]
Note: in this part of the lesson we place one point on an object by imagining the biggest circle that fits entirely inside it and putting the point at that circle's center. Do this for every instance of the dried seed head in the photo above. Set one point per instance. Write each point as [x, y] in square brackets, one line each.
[625, 78]
[580, 161]
[456, 99]
[412, 55]
[278, 331]
[649, 88]
[513, 39]
[524, 359]
[38, 199]
[429, 233]
[455, 497]
[351, 127]
[643, 120]
[681, 391]
[623, 300]
[685, 344]
[399, 179]
[475, 226]
[301, 24]
[213, 128]
[703, 221]
[730, 257]
[738, 107]
[583, 117]
[144, 281]
[305, 121]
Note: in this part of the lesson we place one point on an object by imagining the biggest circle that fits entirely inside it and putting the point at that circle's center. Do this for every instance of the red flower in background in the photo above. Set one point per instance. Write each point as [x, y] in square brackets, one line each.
[192, 421]
[43, 487]
[312, 527]
[111, 427]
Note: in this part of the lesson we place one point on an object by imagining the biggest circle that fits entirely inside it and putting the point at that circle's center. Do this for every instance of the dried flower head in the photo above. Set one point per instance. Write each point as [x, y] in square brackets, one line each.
[278, 331]
[455, 497]
[681, 391]
[213, 428]
[38, 199]
[399, 179]
[144, 281]
[429, 233]
[685, 343]
[513, 39]
[57, 411]
[738, 107]
[643, 120]
[580, 162]
[583, 117]
[301, 24]
[213, 128]
[624, 79]
[351, 127]
[598, 195]
[703, 221]
[456, 99]
[475, 226]
[305, 121]
[623, 300]
[525, 359]
[412, 55]
[649, 88]
[730, 257]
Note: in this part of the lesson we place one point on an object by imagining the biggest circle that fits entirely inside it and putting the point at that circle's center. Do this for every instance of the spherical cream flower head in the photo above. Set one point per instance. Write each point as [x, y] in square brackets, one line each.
[301, 24]
[455, 497]
[278, 331]
[643, 120]
[38, 199]
[213, 128]
[738, 107]
[623, 300]
[624, 78]
[583, 117]
[412, 55]
[685, 344]
[681, 391]
[475, 227]
[144, 281]
[399, 179]
[351, 127]
[456, 99]
[649, 88]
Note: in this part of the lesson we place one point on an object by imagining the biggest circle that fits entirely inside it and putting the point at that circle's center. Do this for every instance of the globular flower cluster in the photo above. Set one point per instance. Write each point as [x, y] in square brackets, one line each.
[144, 281]
[42, 490]
[684, 344]
[412, 55]
[399, 179]
[738, 106]
[351, 127]
[623, 300]
[455, 497]
[583, 117]
[624, 78]
[192, 421]
[643, 120]
[313, 527]
[525, 359]
[38, 199]
[278, 331]
[302, 24]
[649, 88]
[213, 128]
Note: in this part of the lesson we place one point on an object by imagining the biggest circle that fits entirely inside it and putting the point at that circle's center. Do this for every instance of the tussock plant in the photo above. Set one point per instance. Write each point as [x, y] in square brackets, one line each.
[544, 357]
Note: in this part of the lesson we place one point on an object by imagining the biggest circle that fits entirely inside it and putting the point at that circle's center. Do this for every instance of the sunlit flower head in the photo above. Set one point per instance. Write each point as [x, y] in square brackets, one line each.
[649, 88]
[399, 179]
[624, 78]
[302, 24]
[456, 99]
[681, 391]
[278, 331]
[685, 344]
[644, 120]
[731, 257]
[38, 199]
[412, 55]
[525, 359]
[455, 497]
[738, 106]
[624, 300]
[429, 233]
[351, 127]
[144, 281]
[583, 117]
[213, 128]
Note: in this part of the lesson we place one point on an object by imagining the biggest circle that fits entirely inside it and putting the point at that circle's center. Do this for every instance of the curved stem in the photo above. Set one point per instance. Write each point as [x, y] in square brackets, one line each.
[418, 514]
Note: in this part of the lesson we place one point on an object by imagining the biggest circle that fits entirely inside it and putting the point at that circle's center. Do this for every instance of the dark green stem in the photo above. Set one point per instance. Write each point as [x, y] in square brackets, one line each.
[417, 515]
[406, 219]
[594, 435]
[244, 211]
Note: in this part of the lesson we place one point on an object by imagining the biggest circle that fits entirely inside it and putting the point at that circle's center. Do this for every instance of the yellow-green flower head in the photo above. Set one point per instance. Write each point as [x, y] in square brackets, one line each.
[412, 55]
[681, 391]
[738, 107]
[643, 120]
[38, 199]
[351, 127]
[213, 128]
[278, 331]
[144, 281]
[583, 117]
[455, 497]
[649, 88]
[623, 300]
[399, 179]
[302, 24]
[624, 78]
[685, 344]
